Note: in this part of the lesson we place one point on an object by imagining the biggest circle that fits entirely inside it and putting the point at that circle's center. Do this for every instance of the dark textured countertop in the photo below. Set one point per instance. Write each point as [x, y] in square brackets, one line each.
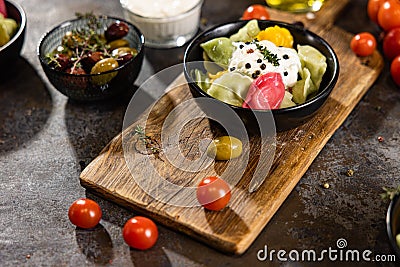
[46, 140]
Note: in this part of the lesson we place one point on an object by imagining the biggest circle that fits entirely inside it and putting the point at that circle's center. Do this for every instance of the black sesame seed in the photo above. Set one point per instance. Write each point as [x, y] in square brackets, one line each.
[259, 60]
[232, 69]
[248, 66]
[263, 66]
[285, 56]
[254, 75]
[241, 46]
[258, 72]
[285, 73]
[247, 43]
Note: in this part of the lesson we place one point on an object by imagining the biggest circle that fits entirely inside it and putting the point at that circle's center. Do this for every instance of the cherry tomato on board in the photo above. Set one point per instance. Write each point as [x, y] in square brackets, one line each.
[373, 8]
[213, 193]
[84, 213]
[363, 44]
[389, 15]
[395, 70]
[391, 43]
[256, 12]
[140, 233]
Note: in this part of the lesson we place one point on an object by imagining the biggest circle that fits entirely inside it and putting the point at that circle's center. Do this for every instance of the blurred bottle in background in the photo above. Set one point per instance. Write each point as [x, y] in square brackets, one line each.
[296, 5]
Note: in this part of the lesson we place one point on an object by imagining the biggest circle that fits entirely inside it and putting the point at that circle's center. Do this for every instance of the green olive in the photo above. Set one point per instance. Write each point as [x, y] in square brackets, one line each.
[225, 148]
[123, 50]
[104, 65]
[118, 43]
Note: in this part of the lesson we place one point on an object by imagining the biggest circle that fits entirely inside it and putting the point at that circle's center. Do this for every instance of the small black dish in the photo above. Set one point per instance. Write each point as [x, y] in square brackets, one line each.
[10, 52]
[82, 87]
[285, 118]
[393, 224]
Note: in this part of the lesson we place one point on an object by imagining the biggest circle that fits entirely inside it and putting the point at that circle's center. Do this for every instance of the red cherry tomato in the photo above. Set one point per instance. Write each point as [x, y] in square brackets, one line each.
[266, 92]
[389, 15]
[391, 43]
[373, 8]
[213, 193]
[255, 12]
[363, 44]
[140, 233]
[84, 213]
[395, 70]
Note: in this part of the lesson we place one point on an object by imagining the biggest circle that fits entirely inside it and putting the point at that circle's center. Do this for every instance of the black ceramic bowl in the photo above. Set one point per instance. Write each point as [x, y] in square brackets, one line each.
[87, 87]
[286, 118]
[393, 224]
[9, 52]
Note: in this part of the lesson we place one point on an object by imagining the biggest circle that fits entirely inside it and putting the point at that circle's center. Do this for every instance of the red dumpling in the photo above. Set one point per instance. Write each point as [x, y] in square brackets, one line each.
[266, 92]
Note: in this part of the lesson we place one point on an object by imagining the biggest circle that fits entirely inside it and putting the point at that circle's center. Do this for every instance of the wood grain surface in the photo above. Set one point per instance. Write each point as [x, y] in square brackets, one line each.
[124, 172]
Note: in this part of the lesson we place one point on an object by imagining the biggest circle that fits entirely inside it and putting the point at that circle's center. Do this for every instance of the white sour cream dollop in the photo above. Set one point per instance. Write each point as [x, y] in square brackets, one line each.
[249, 59]
[159, 8]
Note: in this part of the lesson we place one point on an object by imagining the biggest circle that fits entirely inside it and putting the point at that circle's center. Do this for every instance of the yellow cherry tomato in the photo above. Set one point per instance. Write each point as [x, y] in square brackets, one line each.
[277, 35]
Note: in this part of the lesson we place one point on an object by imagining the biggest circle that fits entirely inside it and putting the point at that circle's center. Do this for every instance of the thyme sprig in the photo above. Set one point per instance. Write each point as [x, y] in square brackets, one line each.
[79, 42]
[149, 142]
[390, 193]
[268, 55]
[93, 22]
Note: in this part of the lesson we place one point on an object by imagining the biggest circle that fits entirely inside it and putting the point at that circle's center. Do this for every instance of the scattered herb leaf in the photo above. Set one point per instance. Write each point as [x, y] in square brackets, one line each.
[149, 142]
[390, 193]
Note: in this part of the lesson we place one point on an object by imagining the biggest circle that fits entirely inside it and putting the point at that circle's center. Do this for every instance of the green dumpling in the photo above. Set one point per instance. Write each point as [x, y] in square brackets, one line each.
[231, 88]
[219, 50]
[248, 33]
[201, 79]
[4, 36]
[210, 65]
[287, 101]
[314, 61]
[304, 88]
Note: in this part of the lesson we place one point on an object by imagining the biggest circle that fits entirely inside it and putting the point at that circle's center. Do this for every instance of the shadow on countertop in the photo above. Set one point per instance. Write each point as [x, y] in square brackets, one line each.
[91, 125]
[25, 105]
[95, 244]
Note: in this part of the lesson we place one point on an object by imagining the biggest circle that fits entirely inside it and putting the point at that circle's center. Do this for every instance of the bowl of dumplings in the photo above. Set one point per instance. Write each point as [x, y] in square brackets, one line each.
[262, 67]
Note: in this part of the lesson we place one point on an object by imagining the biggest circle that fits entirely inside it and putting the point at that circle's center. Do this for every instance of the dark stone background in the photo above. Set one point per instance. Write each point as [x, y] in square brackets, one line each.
[45, 140]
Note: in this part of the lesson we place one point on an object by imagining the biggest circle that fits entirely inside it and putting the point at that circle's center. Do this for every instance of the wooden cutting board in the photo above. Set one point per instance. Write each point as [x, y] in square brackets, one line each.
[233, 229]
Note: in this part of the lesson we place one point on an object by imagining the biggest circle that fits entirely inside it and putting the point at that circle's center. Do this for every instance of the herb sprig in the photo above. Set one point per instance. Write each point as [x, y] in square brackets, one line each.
[268, 55]
[79, 42]
[149, 142]
[390, 193]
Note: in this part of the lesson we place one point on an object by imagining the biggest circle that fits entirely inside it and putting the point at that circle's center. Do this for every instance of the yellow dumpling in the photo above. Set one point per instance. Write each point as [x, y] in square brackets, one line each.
[277, 35]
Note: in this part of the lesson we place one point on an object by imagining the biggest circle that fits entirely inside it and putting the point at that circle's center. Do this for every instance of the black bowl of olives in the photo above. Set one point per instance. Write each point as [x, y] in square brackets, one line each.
[92, 57]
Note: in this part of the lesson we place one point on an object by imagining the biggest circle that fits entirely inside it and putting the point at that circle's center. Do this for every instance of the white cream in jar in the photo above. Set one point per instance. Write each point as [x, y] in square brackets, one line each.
[159, 8]
[250, 59]
[164, 23]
